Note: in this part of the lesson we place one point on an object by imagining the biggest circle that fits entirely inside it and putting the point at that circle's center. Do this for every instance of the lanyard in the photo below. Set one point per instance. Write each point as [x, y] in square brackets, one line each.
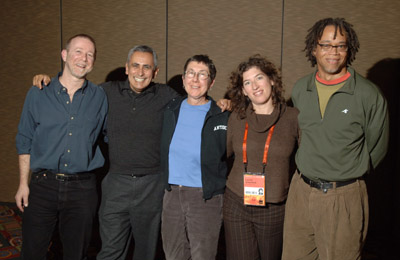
[266, 147]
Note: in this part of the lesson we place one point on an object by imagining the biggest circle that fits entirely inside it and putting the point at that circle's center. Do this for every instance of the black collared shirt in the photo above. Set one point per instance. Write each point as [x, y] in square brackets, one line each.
[134, 126]
[61, 135]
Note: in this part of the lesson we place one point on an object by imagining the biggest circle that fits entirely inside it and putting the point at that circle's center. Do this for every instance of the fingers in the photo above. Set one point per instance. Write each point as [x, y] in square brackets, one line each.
[46, 80]
[223, 106]
[37, 81]
[21, 199]
[40, 80]
[228, 105]
[20, 203]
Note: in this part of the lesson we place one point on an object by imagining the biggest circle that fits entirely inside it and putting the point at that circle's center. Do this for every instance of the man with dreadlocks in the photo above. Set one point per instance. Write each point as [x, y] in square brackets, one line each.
[344, 135]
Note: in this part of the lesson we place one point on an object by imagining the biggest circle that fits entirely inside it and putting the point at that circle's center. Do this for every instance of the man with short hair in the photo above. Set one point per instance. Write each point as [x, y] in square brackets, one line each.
[132, 191]
[344, 135]
[57, 141]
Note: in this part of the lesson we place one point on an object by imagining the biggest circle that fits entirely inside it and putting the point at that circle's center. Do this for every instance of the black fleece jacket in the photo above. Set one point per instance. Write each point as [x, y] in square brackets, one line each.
[213, 146]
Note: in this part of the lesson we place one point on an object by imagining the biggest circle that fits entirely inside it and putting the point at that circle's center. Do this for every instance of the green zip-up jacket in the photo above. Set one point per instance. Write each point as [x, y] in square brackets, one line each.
[352, 136]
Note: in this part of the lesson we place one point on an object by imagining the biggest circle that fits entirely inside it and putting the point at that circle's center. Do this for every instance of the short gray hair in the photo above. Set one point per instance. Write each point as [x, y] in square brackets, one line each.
[143, 48]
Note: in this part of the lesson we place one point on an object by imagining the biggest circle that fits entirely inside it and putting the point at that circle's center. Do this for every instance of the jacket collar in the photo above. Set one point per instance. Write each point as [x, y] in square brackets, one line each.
[348, 87]
[214, 108]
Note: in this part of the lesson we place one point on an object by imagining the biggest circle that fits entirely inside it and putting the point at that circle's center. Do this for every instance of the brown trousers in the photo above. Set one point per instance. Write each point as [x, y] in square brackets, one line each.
[325, 226]
[190, 225]
[251, 232]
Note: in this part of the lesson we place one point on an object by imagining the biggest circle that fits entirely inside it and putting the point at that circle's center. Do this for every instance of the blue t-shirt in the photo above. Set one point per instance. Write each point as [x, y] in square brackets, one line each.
[185, 147]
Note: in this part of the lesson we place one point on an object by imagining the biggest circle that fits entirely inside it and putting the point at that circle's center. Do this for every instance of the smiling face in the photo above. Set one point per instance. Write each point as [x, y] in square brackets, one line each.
[140, 70]
[258, 88]
[331, 64]
[195, 87]
[79, 57]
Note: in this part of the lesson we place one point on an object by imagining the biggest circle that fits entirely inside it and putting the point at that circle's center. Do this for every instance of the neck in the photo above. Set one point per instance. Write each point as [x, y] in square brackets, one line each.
[72, 84]
[197, 101]
[332, 76]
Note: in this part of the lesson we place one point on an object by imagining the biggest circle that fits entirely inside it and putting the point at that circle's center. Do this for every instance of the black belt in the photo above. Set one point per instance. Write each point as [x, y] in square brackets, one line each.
[64, 176]
[326, 185]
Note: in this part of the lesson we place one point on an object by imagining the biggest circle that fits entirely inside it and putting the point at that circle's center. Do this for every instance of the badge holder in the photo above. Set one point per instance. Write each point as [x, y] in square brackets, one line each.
[254, 189]
[254, 183]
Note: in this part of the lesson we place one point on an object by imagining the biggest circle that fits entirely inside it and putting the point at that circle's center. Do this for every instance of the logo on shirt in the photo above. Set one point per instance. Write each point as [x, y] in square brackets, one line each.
[220, 127]
[345, 111]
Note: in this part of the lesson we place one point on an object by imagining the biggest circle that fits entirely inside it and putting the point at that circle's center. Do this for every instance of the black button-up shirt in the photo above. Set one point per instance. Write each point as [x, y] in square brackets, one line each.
[134, 126]
[61, 135]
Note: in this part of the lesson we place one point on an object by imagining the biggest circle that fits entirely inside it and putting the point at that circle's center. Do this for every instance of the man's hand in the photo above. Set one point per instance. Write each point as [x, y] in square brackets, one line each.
[224, 104]
[39, 79]
[21, 198]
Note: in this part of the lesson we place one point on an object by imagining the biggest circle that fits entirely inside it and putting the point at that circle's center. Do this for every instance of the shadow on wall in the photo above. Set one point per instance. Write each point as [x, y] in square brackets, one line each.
[116, 75]
[177, 84]
[384, 195]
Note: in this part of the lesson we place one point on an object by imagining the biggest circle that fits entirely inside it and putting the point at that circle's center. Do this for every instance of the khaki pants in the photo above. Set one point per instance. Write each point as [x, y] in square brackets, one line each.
[325, 226]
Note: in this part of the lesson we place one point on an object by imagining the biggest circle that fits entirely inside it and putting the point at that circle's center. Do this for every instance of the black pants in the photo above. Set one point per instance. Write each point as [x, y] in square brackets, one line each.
[73, 203]
[130, 207]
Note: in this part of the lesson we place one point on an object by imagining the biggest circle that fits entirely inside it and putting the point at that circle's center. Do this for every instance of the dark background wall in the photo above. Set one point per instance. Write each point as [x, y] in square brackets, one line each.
[227, 30]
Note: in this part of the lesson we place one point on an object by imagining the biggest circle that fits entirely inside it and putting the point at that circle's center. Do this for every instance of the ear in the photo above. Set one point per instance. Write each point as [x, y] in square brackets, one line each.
[314, 51]
[155, 73]
[126, 68]
[271, 82]
[211, 84]
[64, 55]
[244, 91]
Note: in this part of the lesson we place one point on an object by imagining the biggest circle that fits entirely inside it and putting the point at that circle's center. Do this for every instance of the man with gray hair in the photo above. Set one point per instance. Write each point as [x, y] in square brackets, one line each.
[132, 191]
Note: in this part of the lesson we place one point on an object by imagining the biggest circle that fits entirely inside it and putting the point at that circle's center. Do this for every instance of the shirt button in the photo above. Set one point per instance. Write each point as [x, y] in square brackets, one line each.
[67, 102]
[68, 151]
[134, 108]
[69, 134]
[66, 165]
[72, 118]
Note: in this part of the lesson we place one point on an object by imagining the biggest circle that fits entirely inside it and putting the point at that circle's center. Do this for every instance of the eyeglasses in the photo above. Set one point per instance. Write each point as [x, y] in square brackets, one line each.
[203, 75]
[328, 47]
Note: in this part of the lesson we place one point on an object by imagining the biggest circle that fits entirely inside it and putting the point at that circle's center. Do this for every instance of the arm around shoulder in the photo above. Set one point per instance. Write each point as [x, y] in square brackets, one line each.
[39, 79]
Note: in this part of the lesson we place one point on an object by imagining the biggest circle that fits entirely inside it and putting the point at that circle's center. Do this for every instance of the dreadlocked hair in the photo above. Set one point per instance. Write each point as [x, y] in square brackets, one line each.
[345, 28]
[239, 101]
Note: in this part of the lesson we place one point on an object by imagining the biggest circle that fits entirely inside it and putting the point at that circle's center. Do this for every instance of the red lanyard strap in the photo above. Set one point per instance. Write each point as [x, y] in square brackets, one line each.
[266, 147]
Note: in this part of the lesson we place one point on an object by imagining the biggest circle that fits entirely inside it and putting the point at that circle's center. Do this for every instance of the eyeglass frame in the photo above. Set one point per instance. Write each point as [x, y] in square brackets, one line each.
[198, 74]
[330, 46]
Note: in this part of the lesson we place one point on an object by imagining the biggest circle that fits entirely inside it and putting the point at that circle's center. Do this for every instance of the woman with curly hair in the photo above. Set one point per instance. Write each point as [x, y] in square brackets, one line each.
[262, 136]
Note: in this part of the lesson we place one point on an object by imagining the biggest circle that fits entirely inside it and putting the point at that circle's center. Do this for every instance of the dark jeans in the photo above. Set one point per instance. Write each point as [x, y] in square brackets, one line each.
[190, 225]
[130, 206]
[73, 203]
[252, 232]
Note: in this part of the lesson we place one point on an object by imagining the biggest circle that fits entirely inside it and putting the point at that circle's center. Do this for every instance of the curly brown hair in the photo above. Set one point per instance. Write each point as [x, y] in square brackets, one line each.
[240, 102]
[345, 28]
